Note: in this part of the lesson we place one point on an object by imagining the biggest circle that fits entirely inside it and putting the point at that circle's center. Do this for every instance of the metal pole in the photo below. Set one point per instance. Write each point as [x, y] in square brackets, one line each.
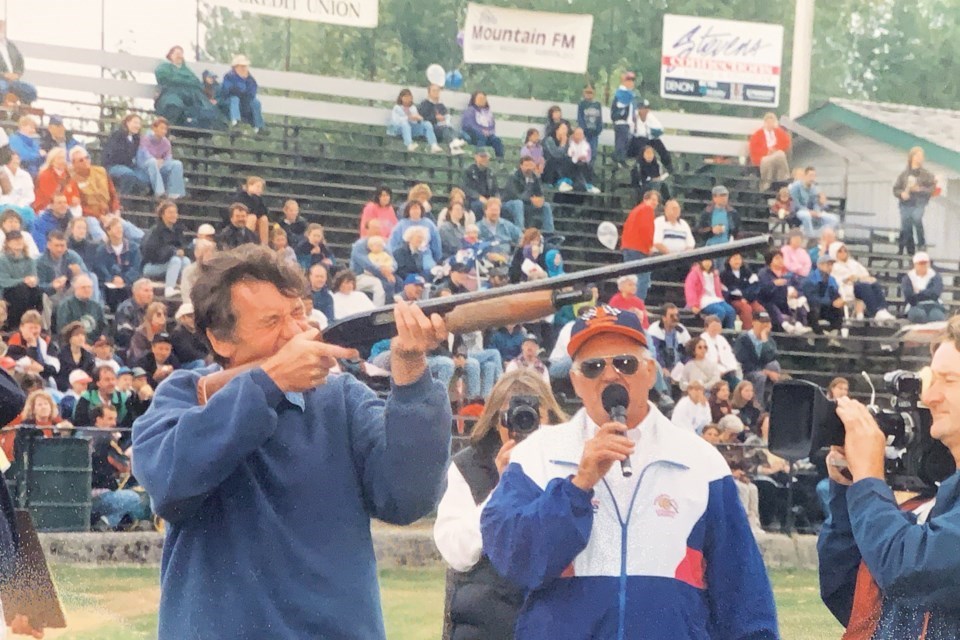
[197, 48]
[286, 65]
[802, 49]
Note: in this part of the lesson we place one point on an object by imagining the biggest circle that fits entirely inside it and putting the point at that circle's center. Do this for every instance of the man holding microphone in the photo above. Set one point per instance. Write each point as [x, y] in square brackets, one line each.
[890, 571]
[269, 471]
[664, 552]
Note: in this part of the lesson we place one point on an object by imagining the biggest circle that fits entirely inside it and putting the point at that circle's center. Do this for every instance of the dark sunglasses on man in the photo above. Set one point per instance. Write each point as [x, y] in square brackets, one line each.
[593, 367]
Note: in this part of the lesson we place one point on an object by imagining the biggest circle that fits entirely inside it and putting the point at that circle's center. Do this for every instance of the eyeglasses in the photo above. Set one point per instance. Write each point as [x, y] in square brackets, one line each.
[592, 368]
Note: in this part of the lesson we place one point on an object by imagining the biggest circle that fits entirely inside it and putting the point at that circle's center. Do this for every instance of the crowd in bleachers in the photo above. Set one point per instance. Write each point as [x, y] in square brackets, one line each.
[87, 295]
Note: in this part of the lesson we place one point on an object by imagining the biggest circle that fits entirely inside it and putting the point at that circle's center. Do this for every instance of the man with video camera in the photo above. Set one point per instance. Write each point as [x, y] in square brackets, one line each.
[890, 571]
[618, 524]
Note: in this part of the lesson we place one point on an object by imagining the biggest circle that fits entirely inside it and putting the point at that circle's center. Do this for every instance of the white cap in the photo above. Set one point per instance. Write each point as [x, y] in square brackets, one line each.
[206, 230]
[921, 256]
[79, 375]
[185, 309]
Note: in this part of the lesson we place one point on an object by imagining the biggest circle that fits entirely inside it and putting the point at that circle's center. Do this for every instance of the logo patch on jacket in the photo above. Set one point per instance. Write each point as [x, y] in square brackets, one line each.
[666, 506]
[595, 503]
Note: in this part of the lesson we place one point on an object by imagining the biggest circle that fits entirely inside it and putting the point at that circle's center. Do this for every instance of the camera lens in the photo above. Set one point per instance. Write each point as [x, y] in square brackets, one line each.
[523, 419]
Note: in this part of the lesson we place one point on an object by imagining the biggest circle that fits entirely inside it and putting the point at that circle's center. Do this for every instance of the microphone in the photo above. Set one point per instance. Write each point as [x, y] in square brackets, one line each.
[615, 400]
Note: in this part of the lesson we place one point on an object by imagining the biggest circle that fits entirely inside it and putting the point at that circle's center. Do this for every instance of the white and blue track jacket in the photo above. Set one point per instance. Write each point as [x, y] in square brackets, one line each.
[664, 555]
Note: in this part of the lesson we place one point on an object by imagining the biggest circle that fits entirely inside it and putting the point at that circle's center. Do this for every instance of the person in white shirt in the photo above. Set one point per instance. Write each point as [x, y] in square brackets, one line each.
[858, 286]
[346, 299]
[671, 233]
[580, 153]
[559, 360]
[720, 352]
[21, 195]
[481, 604]
[692, 411]
[649, 131]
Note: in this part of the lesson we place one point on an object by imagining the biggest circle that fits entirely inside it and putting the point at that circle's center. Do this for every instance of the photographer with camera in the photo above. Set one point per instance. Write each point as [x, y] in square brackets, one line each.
[480, 604]
[890, 571]
[618, 524]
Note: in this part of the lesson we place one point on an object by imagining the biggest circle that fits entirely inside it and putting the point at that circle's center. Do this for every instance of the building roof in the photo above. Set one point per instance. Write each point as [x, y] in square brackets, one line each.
[899, 125]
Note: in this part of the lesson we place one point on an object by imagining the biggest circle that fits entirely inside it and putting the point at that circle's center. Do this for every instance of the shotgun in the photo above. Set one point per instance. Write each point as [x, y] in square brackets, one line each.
[479, 310]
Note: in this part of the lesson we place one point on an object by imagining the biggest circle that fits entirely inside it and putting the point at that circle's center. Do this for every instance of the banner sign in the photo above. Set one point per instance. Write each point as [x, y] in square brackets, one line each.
[556, 41]
[352, 13]
[710, 60]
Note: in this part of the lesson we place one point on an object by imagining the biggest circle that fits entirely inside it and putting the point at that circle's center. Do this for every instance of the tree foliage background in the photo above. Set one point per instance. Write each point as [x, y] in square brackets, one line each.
[883, 50]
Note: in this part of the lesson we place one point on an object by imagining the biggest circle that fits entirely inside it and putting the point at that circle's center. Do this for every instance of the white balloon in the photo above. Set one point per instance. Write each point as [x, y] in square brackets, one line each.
[436, 74]
[608, 235]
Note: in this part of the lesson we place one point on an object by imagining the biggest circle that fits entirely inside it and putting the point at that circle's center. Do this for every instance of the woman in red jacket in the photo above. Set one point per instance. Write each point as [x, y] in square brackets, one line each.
[55, 178]
[768, 150]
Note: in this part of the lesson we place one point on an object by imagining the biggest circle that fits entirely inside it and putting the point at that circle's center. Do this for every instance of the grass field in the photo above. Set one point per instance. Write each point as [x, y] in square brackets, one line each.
[121, 604]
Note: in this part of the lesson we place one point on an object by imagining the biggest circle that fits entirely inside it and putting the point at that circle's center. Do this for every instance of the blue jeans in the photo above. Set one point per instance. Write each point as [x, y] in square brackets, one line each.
[25, 92]
[806, 219]
[491, 368]
[871, 295]
[167, 179]
[621, 141]
[479, 140]
[643, 279]
[114, 505]
[722, 310]
[517, 210]
[911, 219]
[408, 130]
[247, 110]
[132, 232]
[471, 373]
[927, 312]
[170, 271]
[594, 141]
[442, 369]
[129, 181]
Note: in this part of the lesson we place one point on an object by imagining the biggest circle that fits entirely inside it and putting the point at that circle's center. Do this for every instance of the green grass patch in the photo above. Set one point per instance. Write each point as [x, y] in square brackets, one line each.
[108, 603]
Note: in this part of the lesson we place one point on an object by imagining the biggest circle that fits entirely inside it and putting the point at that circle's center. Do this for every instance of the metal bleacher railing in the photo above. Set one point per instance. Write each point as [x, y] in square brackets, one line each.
[344, 100]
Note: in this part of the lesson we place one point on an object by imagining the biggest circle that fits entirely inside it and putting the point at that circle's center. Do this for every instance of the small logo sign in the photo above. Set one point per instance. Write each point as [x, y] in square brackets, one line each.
[595, 503]
[666, 506]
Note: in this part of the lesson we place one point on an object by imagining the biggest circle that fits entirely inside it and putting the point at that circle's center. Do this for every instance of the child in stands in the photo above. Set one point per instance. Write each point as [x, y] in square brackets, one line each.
[378, 253]
[533, 149]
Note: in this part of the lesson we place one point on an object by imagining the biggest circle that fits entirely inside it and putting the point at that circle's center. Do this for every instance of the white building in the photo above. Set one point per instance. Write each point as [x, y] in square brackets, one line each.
[881, 134]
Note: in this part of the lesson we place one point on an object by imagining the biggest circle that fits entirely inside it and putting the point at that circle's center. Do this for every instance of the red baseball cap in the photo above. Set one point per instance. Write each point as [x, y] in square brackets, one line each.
[605, 319]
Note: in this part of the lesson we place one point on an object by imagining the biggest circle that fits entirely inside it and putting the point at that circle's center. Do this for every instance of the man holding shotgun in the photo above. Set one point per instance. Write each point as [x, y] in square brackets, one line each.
[269, 470]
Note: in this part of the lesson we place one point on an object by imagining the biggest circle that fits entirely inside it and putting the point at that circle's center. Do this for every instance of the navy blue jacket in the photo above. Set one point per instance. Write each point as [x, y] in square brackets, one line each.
[917, 567]
[820, 291]
[268, 499]
[108, 265]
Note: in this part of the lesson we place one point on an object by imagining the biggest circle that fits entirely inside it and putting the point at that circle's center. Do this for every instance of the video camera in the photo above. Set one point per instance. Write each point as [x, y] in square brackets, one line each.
[803, 421]
[522, 416]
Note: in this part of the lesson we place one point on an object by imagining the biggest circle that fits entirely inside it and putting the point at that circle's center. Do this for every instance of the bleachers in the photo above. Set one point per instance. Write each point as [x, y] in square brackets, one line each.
[332, 165]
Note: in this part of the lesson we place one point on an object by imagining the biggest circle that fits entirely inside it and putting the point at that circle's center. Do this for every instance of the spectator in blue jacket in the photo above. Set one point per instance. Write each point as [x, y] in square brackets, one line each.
[117, 263]
[590, 119]
[238, 95]
[25, 143]
[413, 216]
[887, 567]
[493, 228]
[57, 266]
[922, 288]
[560, 524]
[56, 216]
[293, 446]
[823, 296]
[808, 204]
[508, 341]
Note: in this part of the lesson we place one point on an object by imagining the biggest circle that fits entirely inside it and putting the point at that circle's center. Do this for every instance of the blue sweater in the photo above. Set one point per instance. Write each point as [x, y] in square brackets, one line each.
[917, 567]
[268, 498]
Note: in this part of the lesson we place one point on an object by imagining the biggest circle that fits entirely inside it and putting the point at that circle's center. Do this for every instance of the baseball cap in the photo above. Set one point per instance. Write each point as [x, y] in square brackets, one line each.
[731, 423]
[124, 371]
[826, 257]
[413, 278]
[185, 309]
[530, 337]
[79, 375]
[629, 75]
[720, 190]
[921, 256]
[761, 316]
[162, 336]
[206, 230]
[138, 372]
[644, 104]
[482, 151]
[604, 319]
[55, 121]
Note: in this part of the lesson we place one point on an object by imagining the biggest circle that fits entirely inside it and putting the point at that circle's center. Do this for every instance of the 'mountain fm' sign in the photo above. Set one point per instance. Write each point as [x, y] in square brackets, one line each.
[556, 41]
[354, 13]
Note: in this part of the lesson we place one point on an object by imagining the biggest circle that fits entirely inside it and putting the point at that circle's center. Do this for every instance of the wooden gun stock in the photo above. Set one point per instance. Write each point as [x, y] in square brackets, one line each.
[466, 317]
